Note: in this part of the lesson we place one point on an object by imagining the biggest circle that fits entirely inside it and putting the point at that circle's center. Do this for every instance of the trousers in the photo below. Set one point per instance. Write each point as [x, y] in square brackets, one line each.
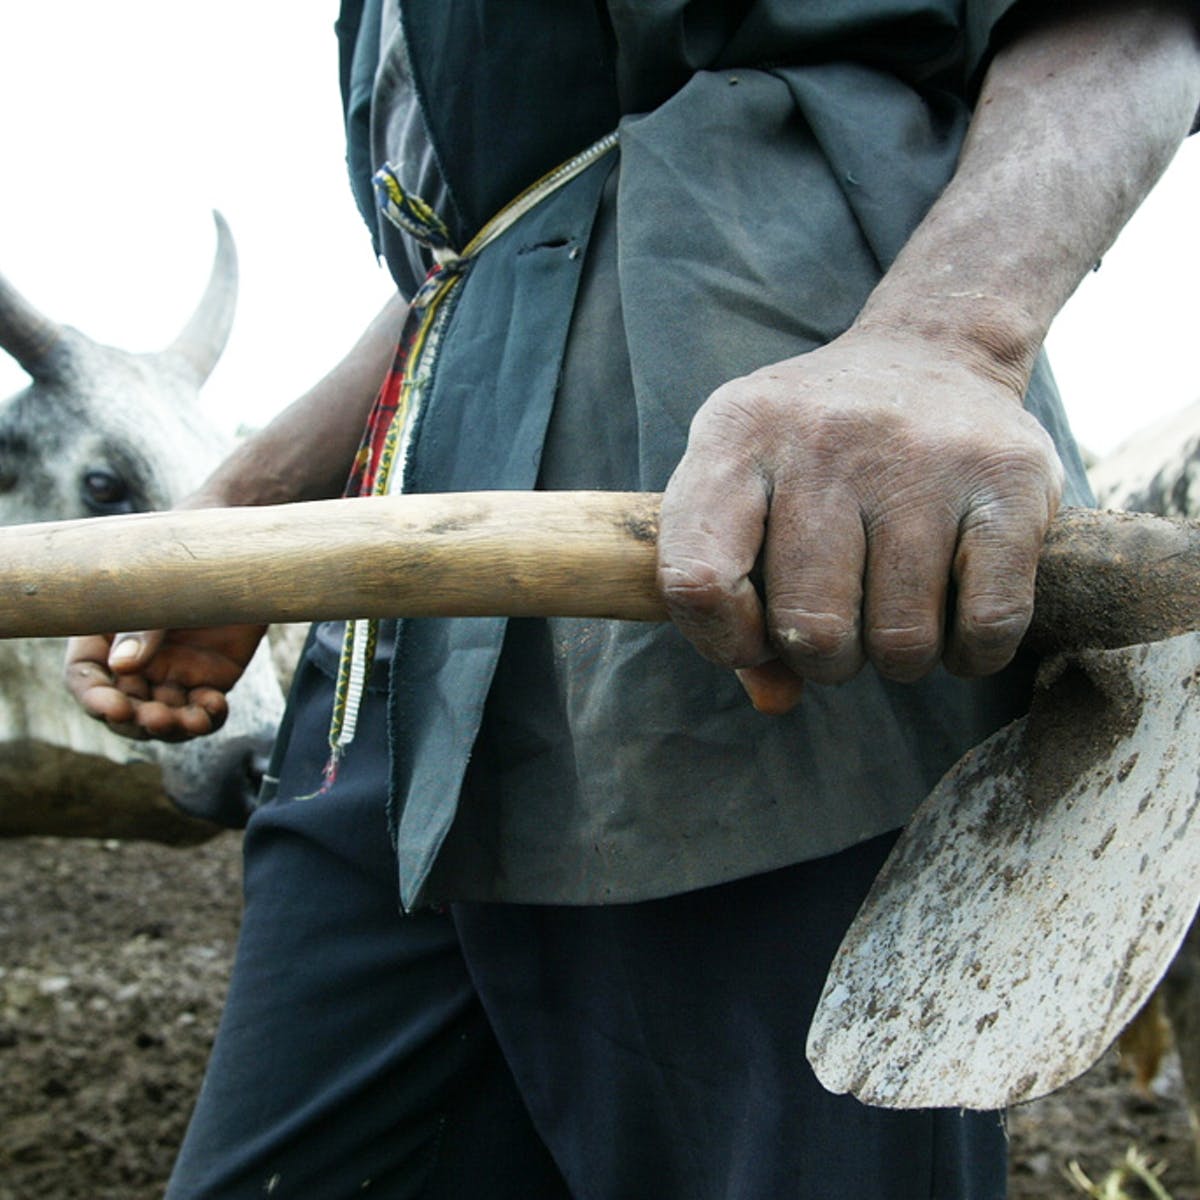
[650, 1051]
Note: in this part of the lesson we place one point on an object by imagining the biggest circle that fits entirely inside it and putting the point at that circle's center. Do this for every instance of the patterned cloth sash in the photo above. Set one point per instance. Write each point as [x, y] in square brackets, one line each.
[380, 465]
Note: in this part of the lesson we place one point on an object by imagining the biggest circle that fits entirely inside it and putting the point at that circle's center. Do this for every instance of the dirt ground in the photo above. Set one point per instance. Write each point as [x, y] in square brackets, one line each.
[113, 962]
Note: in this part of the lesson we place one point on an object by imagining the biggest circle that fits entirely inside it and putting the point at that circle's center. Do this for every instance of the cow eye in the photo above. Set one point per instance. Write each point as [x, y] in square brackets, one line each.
[105, 492]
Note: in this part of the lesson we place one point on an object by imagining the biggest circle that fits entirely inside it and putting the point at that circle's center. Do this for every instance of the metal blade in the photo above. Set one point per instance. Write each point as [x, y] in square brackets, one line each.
[1034, 901]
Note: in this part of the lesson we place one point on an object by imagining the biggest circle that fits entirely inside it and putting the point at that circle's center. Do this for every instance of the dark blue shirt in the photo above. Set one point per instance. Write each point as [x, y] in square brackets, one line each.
[774, 157]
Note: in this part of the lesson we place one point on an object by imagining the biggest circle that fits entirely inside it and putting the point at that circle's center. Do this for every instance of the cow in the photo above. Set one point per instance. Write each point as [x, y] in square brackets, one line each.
[1158, 471]
[100, 431]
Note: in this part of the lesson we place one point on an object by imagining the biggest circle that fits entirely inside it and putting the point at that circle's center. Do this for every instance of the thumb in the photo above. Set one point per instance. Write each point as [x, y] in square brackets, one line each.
[773, 688]
[132, 651]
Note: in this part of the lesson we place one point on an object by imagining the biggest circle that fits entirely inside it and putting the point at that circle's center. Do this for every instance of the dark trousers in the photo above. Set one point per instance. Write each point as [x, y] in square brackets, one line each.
[657, 1049]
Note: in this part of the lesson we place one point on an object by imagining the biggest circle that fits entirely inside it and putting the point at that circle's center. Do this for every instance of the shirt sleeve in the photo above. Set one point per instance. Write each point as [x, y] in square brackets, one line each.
[983, 17]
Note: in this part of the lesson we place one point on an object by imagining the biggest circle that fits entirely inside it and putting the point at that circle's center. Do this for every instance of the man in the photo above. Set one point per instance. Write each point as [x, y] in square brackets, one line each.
[804, 290]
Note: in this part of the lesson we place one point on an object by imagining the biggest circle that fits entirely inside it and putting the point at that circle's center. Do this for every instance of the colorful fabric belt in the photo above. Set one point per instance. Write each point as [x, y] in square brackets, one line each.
[380, 466]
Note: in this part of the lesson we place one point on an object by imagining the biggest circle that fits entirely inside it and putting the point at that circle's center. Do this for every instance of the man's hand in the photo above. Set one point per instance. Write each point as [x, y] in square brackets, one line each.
[169, 685]
[894, 495]
[891, 483]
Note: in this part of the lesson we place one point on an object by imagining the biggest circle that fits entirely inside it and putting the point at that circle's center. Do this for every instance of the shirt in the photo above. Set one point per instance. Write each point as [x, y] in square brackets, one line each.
[774, 157]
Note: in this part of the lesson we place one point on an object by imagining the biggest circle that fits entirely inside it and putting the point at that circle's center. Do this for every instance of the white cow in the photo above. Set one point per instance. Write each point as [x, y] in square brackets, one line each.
[100, 431]
[1158, 471]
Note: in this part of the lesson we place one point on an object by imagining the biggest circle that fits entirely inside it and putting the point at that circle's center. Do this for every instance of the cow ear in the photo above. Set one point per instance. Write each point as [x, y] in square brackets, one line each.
[203, 339]
[31, 338]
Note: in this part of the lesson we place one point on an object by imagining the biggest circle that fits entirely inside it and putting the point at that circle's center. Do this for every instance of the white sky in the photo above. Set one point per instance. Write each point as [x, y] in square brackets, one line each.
[127, 122]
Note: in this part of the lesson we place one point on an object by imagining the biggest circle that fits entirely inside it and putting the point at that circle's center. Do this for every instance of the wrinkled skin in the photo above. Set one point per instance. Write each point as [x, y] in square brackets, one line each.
[897, 499]
[889, 484]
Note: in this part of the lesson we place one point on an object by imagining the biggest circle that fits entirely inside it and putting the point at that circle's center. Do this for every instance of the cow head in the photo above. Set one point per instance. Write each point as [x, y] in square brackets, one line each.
[100, 431]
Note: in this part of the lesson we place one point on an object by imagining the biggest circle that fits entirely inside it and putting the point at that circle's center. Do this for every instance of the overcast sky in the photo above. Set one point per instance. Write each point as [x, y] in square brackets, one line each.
[128, 122]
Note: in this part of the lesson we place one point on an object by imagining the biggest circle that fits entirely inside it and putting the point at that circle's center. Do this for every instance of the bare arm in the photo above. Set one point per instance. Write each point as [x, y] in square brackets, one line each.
[306, 452]
[875, 473]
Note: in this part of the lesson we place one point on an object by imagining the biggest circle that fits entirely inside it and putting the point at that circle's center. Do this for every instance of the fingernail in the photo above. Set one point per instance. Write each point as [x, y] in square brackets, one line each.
[124, 651]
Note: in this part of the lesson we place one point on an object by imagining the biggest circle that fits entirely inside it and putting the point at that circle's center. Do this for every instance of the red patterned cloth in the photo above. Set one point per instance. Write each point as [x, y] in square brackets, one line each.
[364, 474]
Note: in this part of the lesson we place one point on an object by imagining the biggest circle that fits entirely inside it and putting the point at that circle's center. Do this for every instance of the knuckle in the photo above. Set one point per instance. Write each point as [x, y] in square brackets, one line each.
[1012, 486]
[710, 608]
[694, 587]
[737, 402]
[730, 418]
[993, 626]
[823, 645]
[904, 652]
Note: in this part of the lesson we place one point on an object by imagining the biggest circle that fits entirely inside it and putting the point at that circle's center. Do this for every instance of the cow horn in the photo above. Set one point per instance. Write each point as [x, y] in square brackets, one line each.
[204, 337]
[28, 335]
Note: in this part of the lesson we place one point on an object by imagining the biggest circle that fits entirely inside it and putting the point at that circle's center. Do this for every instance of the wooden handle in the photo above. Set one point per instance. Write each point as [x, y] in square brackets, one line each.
[461, 555]
[1106, 579]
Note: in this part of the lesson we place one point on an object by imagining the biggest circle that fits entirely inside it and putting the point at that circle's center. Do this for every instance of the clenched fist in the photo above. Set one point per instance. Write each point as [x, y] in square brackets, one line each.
[894, 494]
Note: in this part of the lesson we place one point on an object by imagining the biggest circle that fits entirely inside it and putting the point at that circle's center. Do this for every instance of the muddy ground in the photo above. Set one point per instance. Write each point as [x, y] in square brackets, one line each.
[113, 961]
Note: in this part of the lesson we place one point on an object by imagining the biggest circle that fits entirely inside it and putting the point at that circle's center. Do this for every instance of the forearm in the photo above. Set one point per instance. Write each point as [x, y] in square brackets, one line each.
[1078, 117]
[890, 483]
[306, 452]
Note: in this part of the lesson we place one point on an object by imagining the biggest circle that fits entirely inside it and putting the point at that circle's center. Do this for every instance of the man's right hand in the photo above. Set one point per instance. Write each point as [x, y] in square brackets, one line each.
[170, 685]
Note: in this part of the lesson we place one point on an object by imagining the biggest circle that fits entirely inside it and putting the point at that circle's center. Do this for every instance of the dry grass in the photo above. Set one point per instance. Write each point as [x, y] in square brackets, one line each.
[1134, 1171]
